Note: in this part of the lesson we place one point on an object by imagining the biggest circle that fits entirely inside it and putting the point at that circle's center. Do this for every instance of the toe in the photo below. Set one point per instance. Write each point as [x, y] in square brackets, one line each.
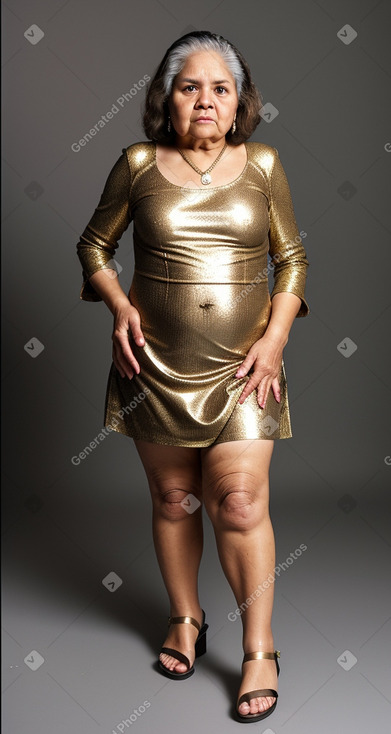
[244, 709]
[264, 703]
[172, 663]
[180, 667]
[256, 706]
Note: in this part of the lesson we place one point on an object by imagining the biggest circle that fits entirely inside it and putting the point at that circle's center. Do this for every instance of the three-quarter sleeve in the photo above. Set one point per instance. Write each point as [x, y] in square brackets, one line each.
[109, 221]
[286, 248]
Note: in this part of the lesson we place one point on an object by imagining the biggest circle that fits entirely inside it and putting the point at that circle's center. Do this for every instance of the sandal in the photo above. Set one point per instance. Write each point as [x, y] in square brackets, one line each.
[200, 648]
[246, 697]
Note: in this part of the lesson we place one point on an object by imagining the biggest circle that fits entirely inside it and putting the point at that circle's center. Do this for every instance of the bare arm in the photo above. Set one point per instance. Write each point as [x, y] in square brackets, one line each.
[285, 307]
[107, 285]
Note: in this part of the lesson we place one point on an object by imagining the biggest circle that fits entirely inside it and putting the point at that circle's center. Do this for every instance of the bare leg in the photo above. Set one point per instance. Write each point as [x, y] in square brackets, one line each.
[173, 472]
[236, 497]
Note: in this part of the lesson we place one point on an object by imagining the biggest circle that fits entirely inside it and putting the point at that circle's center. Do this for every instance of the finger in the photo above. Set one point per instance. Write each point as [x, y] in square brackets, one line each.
[245, 366]
[124, 351]
[123, 367]
[251, 384]
[263, 390]
[263, 393]
[119, 368]
[137, 335]
[134, 327]
[129, 367]
[125, 330]
[117, 363]
[276, 389]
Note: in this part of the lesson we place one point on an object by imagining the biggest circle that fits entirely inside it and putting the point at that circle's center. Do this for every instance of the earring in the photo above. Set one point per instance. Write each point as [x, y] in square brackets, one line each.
[233, 125]
[169, 123]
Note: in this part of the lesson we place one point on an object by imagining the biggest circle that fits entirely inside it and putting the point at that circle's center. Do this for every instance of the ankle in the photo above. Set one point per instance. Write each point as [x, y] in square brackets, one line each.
[258, 642]
[187, 610]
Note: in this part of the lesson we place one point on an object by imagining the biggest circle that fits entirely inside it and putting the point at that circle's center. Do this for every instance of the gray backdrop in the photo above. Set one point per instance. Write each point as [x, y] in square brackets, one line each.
[79, 643]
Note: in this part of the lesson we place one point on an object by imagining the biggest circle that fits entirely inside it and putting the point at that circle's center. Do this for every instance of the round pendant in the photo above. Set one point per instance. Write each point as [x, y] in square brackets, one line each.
[206, 178]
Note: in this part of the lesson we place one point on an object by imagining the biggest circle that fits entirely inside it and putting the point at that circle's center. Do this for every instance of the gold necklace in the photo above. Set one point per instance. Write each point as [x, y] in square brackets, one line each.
[206, 178]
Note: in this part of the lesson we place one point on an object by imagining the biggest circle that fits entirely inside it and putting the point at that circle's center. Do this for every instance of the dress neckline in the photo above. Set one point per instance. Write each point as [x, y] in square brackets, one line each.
[206, 188]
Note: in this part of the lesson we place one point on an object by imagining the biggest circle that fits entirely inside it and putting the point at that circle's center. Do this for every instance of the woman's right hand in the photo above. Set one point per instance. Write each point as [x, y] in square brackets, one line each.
[126, 319]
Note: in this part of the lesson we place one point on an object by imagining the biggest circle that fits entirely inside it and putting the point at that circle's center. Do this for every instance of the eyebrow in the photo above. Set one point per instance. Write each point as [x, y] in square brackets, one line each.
[196, 81]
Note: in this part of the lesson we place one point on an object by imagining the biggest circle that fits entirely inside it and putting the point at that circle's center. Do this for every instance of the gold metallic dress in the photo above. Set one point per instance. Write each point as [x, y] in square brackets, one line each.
[200, 285]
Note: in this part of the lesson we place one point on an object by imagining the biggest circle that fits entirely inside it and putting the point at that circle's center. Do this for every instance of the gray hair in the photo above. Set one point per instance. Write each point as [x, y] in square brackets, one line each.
[178, 56]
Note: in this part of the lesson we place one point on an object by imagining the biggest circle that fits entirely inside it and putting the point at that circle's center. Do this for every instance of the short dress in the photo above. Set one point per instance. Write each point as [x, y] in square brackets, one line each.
[200, 285]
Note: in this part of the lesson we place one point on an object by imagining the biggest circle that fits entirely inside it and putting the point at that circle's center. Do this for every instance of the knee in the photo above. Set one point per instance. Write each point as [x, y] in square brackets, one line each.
[176, 503]
[241, 505]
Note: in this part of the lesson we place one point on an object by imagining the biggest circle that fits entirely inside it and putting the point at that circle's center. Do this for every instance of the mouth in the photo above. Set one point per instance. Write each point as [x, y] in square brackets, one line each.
[204, 119]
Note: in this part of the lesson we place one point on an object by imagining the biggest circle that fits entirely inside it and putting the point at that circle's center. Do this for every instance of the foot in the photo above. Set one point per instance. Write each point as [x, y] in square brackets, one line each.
[258, 674]
[181, 637]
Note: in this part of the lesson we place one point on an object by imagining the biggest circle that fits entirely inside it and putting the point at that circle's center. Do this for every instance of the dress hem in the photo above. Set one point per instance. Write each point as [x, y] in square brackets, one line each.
[195, 444]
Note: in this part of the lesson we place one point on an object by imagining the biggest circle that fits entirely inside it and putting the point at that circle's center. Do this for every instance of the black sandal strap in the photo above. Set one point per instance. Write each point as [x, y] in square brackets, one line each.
[246, 697]
[176, 654]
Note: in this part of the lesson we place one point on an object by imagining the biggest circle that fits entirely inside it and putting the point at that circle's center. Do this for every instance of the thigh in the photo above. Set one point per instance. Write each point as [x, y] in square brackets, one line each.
[241, 465]
[170, 467]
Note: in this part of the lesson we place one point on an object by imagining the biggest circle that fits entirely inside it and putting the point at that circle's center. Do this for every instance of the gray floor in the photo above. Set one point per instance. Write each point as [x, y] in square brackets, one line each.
[97, 647]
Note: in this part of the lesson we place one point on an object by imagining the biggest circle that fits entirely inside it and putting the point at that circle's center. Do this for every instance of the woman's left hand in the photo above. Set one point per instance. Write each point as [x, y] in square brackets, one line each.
[266, 356]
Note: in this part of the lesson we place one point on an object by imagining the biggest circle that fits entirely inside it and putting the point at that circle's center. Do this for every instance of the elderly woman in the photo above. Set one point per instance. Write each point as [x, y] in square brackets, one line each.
[197, 378]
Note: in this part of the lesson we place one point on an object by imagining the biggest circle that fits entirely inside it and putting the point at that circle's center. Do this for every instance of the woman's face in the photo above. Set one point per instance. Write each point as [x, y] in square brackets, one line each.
[204, 87]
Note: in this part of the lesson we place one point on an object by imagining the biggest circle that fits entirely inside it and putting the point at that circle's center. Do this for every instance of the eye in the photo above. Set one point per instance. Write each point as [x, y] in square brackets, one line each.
[192, 86]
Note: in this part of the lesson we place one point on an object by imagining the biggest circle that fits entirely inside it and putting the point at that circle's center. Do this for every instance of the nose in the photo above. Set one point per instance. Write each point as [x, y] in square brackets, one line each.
[204, 99]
